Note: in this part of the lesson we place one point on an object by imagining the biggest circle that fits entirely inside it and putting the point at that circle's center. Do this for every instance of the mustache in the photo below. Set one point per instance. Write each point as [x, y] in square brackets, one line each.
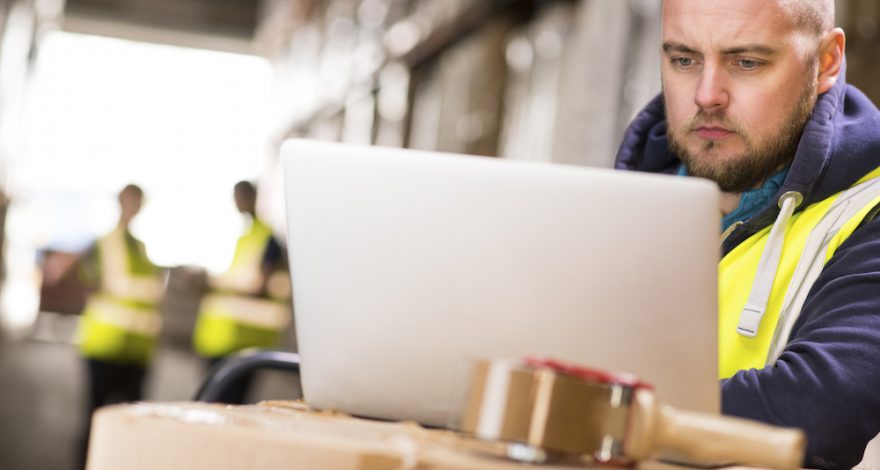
[712, 119]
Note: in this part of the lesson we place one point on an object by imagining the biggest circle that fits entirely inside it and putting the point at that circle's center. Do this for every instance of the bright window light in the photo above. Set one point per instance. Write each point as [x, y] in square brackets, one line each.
[184, 124]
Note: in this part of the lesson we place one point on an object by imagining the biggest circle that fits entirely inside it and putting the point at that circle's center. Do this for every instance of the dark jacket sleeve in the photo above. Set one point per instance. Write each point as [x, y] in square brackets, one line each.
[273, 255]
[827, 381]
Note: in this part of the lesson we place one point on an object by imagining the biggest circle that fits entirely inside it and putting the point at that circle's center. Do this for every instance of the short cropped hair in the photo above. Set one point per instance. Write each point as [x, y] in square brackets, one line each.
[246, 188]
[815, 16]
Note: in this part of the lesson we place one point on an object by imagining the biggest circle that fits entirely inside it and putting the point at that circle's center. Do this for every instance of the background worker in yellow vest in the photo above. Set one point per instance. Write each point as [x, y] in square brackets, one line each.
[120, 322]
[755, 98]
[249, 305]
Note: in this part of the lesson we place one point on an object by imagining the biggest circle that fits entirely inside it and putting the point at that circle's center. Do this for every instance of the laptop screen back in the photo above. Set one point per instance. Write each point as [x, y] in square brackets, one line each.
[407, 265]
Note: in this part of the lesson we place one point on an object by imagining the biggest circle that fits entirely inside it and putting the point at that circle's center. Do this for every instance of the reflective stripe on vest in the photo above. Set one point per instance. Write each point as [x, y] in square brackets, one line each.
[143, 321]
[253, 311]
[811, 238]
[230, 323]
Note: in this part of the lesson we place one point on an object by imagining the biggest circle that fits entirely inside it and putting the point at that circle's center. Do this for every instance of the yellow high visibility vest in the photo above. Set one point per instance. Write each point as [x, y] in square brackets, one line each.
[120, 321]
[811, 238]
[234, 317]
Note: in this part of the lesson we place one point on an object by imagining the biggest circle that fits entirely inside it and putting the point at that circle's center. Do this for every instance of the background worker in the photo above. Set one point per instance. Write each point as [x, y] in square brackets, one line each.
[120, 322]
[754, 98]
[249, 305]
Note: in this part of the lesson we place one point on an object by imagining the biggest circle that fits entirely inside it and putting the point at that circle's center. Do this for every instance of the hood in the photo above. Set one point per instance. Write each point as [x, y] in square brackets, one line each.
[839, 145]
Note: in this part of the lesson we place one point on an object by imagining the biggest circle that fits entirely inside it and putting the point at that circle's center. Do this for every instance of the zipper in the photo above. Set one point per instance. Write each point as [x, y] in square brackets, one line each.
[730, 230]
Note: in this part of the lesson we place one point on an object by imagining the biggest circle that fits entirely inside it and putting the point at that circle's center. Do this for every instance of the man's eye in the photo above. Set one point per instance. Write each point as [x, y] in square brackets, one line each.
[748, 64]
[682, 61]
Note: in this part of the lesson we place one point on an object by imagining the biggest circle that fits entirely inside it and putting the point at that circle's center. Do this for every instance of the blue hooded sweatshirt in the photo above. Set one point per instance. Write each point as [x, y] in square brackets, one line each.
[827, 381]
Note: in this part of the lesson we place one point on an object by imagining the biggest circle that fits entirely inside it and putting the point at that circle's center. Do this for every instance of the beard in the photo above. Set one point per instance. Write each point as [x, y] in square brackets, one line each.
[764, 154]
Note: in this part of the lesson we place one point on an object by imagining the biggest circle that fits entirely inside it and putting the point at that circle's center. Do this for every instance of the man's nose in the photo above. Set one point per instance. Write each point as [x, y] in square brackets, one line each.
[712, 92]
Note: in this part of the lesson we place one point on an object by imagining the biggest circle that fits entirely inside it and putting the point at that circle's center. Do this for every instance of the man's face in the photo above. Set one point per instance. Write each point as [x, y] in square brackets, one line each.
[130, 205]
[739, 82]
[244, 200]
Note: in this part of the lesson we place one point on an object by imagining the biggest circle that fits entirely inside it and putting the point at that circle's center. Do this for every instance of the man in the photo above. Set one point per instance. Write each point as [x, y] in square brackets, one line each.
[754, 97]
[119, 324]
[249, 305]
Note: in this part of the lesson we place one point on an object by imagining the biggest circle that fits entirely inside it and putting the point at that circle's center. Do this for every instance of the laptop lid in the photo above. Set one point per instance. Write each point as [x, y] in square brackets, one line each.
[407, 265]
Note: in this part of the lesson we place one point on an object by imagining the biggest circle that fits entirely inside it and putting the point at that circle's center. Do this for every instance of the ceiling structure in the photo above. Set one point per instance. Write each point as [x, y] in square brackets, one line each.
[227, 25]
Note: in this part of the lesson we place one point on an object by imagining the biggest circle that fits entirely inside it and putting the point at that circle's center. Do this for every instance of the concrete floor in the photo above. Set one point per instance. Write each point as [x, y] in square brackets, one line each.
[40, 405]
[43, 393]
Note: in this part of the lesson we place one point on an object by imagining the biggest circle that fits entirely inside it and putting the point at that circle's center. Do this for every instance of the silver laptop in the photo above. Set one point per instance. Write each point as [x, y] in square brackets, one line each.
[409, 265]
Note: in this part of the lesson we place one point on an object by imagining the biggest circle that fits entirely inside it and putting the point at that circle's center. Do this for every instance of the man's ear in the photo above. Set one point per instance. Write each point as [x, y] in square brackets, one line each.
[831, 51]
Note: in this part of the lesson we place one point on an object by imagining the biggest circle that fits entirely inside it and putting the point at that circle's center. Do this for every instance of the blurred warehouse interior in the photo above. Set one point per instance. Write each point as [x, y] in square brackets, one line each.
[534, 80]
[186, 97]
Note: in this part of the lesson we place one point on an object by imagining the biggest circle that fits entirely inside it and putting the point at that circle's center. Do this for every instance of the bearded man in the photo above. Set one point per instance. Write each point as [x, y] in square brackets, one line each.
[754, 98]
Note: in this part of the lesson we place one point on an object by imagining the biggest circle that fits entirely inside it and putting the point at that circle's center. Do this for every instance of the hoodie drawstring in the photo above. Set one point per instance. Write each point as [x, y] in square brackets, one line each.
[751, 316]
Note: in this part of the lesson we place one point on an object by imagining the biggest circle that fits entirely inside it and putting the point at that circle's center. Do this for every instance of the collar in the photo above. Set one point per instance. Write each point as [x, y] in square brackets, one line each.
[753, 200]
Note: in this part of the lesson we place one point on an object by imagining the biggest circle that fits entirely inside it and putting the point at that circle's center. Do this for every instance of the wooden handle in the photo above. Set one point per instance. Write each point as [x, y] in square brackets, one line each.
[710, 439]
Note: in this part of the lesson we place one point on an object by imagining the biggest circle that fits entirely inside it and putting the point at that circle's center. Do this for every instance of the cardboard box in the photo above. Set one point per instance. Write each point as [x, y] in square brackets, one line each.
[273, 436]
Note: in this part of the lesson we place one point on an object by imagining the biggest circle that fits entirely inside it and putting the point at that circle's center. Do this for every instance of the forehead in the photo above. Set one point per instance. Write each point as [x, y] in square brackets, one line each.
[130, 195]
[714, 24]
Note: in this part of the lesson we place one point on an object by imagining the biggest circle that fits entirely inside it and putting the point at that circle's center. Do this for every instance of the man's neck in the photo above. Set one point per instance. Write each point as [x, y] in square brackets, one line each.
[729, 202]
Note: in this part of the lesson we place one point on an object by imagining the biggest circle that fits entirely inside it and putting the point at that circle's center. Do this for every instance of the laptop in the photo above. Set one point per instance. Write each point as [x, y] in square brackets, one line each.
[408, 266]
